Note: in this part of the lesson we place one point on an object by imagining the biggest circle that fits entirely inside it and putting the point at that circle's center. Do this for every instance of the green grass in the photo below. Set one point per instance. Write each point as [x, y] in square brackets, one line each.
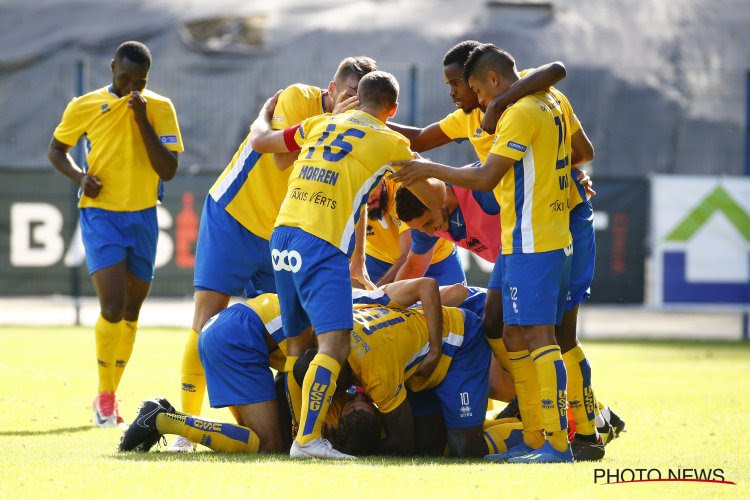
[686, 405]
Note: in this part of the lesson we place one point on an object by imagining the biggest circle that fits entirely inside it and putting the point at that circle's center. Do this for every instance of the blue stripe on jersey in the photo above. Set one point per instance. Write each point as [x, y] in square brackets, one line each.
[486, 200]
[278, 335]
[237, 183]
[518, 178]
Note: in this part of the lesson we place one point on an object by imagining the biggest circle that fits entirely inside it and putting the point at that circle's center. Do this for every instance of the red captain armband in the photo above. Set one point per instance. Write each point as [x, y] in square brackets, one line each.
[291, 144]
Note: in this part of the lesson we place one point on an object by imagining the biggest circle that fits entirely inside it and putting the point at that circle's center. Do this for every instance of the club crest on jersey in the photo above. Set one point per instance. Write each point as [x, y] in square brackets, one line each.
[286, 261]
[105, 108]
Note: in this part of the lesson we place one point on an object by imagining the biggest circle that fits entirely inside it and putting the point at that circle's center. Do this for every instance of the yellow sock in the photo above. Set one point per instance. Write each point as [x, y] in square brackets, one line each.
[553, 381]
[317, 390]
[501, 437]
[580, 393]
[293, 390]
[192, 377]
[500, 352]
[124, 349]
[107, 338]
[219, 436]
[527, 390]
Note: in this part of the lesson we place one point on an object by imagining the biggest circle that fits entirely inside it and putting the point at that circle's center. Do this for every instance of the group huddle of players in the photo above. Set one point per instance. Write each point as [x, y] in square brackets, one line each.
[345, 241]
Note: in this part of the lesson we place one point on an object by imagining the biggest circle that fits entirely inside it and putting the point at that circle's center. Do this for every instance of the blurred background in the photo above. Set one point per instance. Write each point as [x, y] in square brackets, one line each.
[661, 87]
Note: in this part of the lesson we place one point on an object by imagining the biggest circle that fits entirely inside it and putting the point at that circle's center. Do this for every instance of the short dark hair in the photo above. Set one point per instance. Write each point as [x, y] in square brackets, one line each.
[408, 206]
[358, 433]
[459, 53]
[488, 57]
[379, 89]
[356, 67]
[135, 52]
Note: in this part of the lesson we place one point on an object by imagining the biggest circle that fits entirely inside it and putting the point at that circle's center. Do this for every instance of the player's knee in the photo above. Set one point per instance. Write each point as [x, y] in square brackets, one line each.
[112, 312]
[270, 442]
[464, 443]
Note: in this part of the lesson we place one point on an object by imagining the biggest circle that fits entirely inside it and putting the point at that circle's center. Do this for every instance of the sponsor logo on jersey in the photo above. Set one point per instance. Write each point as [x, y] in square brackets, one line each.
[285, 260]
[319, 175]
[105, 108]
[517, 146]
[168, 139]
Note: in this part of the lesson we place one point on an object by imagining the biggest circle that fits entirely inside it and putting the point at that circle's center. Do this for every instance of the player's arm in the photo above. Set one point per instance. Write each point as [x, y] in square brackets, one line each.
[483, 178]
[398, 425]
[422, 139]
[404, 243]
[163, 161]
[454, 295]
[424, 290]
[583, 150]
[415, 265]
[60, 158]
[357, 267]
[266, 140]
[540, 79]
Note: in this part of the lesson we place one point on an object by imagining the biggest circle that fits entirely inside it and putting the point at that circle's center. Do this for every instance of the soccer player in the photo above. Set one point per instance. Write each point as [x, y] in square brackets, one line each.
[388, 243]
[133, 142]
[342, 158]
[238, 347]
[387, 345]
[528, 168]
[232, 253]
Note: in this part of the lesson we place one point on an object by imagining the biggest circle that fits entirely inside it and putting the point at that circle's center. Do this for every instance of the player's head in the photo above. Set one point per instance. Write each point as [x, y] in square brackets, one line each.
[416, 215]
[349, 73]
[378, 93]
[453, 69]
[489, 71]
[130, 68]
[359, 427]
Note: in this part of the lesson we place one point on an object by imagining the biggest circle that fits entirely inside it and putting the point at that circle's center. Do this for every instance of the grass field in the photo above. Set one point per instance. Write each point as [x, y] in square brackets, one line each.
[686, 405]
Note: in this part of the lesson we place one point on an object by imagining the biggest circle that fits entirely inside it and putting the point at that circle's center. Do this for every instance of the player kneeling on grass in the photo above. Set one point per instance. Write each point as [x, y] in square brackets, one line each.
[238, 347]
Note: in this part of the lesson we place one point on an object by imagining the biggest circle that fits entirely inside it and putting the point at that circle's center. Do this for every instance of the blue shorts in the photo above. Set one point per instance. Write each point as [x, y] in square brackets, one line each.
[446, 272]
[233, 350]
[584, 255]
[535, 286]
[462, 395]
[313, 282]
[110, 237]
[229, 258]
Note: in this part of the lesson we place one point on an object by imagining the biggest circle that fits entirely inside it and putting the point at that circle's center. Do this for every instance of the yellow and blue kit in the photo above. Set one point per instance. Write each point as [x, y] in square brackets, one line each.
[383, 246]
[342, 158]
[120, 223]
[233, 348]
[460, 126]
[232, 253]
[533, 271]
[388, 344]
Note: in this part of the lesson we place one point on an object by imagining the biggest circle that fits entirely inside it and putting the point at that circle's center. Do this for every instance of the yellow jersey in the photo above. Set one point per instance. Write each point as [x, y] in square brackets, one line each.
[342, 158]
[117, 155]
[460, 125]
[383, 235]
[389, 343]
[266, 306]
[534, 195]
[252, 187]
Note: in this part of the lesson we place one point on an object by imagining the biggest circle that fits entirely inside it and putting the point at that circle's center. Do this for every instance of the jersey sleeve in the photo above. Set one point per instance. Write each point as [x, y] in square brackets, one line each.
[454, 125]
[71, 126]
[422, 243]
[515, 130]
[289, 108]
[164, 121]
[387, 394]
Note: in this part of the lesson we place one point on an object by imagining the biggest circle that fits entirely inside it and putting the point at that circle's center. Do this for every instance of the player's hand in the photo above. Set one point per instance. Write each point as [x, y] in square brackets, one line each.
[137, 103]
[359, 274]
[414, 170]
[495, 110]
[90, 185]
[270, 105]
[345, 102]
[430, 361]
[585, 181]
